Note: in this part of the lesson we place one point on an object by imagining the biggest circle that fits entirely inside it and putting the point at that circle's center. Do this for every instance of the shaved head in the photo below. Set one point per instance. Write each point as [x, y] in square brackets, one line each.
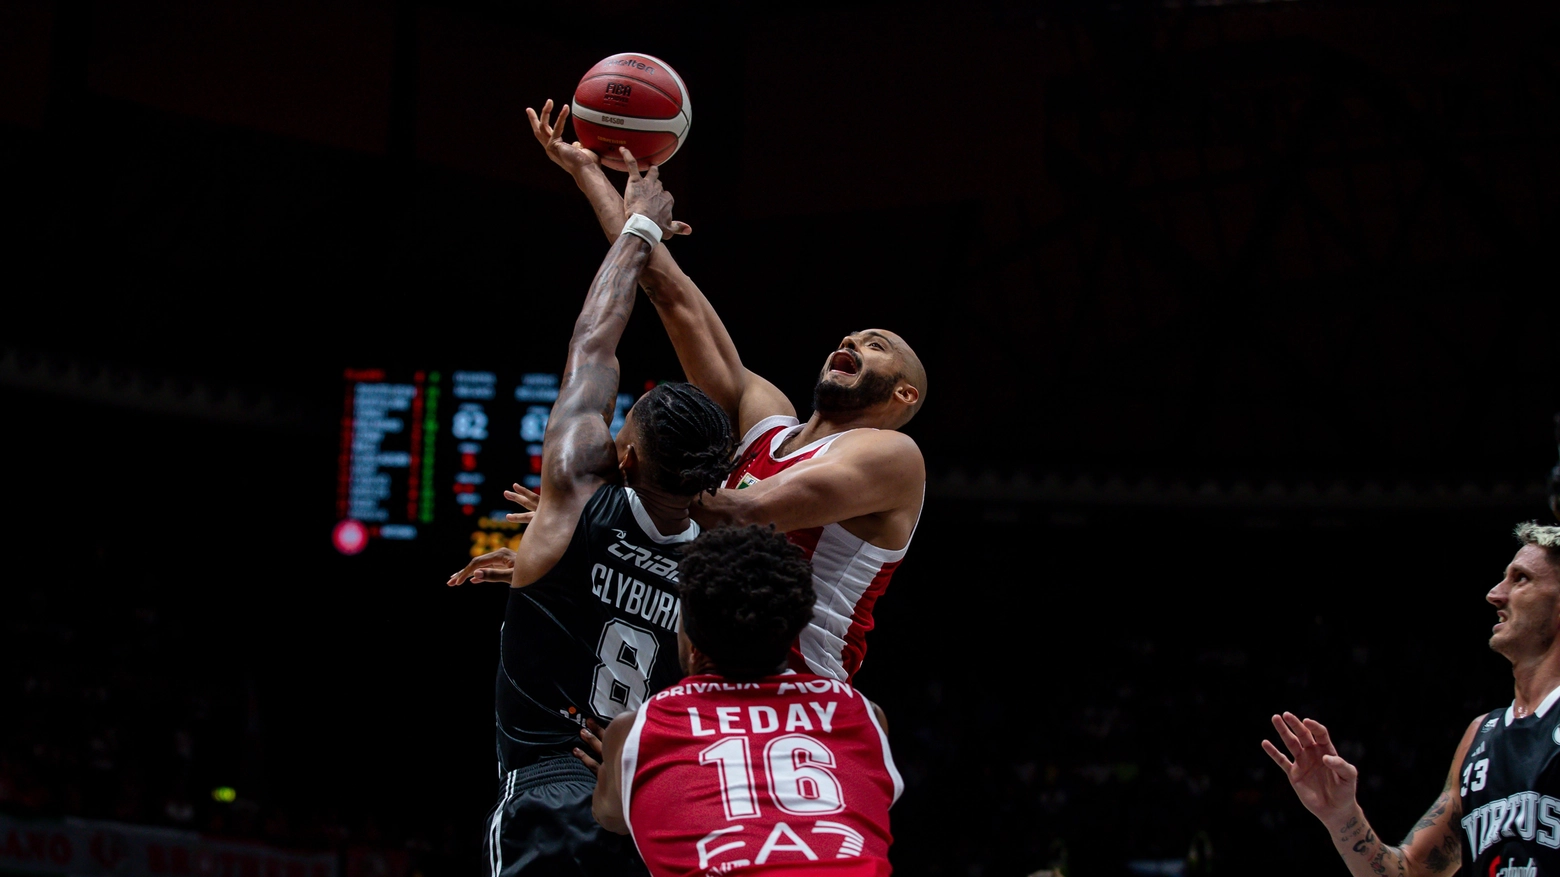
[915, 372]
[911, 371]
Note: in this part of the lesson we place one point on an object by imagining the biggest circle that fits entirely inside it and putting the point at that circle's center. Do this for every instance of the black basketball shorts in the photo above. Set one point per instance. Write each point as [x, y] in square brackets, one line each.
[542, 826]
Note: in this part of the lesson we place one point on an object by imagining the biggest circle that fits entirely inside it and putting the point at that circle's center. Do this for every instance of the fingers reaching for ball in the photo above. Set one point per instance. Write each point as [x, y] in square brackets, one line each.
[645, 195]
[633, 163]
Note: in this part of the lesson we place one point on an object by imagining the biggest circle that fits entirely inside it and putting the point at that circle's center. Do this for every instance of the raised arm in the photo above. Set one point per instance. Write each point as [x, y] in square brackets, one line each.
[704, 348]
[871, 480]
[1325, 784]
[578, 455]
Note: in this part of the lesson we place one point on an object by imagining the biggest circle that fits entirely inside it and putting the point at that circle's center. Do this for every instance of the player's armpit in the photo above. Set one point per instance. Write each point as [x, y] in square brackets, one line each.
[870, 472]
[607, 800]
[1434, 845]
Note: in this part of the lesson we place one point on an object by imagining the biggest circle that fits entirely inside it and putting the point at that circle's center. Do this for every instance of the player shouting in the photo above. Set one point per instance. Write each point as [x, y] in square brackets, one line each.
[1499, 812]
[590, 628]
[844, 485]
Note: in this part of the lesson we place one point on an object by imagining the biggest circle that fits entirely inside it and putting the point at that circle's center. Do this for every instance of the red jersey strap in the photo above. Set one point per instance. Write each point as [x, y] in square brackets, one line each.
[764, 427]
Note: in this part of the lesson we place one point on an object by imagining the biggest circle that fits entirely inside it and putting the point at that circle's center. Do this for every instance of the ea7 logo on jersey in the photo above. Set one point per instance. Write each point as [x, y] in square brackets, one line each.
[1490, 725]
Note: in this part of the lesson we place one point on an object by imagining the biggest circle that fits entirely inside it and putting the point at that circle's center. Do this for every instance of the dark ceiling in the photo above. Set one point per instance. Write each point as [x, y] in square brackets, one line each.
[1270, 242]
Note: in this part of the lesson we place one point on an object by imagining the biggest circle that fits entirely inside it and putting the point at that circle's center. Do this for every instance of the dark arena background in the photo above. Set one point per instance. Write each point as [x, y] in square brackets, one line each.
[1240, 321]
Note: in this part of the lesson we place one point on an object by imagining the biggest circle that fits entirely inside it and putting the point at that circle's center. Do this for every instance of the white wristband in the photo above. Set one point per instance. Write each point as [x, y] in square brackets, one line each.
[644, 227]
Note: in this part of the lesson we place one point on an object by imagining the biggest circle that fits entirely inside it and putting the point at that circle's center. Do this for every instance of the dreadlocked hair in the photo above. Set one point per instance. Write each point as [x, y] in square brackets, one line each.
[686, 439]
[746, 594]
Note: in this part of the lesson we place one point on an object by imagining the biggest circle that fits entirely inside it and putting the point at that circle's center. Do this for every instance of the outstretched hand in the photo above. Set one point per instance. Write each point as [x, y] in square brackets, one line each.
[572, 157]
[524, 498]
[495, 566]
[644, 195]
[1324, 782]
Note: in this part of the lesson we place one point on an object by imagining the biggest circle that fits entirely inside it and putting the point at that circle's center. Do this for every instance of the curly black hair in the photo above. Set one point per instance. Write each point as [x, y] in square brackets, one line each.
[686, 439]
[746, 594]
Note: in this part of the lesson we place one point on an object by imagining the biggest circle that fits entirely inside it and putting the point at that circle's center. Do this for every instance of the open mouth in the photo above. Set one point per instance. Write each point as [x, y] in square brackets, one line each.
[844, 362]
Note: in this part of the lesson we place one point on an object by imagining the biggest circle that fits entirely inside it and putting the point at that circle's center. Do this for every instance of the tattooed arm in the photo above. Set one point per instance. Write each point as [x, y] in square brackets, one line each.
[578, 454]
[1325, 784]
[704, 348]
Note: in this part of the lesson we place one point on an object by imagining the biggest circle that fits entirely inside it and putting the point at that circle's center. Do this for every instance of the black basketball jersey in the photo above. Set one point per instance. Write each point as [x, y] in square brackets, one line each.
[594, 636]
[1510, 792]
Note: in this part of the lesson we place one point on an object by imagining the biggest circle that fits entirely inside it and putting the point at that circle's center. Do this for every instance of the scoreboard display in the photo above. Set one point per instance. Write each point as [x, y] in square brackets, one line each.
[427, 454]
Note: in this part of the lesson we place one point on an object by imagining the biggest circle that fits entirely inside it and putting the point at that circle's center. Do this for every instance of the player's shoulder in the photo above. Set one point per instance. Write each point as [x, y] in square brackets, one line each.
[604, 505]
[889, 449]
[877, 441]
[1482, 724]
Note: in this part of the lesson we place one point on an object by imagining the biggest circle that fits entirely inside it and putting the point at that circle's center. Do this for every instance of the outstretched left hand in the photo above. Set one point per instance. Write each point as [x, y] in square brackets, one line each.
[495, 566]
[524, 498]
[572, 157]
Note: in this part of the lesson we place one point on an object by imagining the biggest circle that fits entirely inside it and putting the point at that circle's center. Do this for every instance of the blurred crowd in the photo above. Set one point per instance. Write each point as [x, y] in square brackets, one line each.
[131, 710]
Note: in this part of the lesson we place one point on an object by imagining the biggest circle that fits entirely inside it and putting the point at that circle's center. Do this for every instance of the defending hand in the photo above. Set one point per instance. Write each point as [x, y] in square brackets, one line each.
[495, 566]
[572, 157]
[1324, 782]
[645, 195]
[524, 498]
[590, 753]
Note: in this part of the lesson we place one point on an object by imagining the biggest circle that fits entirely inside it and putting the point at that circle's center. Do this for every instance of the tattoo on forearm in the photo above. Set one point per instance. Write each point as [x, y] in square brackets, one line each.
[1448, 853]
[1446, 856]
[1436, 811]
[1378, 861]
[1370, 838]
[590, 380]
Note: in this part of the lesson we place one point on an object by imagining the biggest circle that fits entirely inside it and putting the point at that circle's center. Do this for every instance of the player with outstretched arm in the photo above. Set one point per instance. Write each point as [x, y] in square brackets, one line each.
[590, 626]
[1499, 812]
[846, 485]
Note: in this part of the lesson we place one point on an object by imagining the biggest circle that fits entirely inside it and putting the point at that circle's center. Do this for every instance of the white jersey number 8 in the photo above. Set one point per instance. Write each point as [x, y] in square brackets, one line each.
[622, 681]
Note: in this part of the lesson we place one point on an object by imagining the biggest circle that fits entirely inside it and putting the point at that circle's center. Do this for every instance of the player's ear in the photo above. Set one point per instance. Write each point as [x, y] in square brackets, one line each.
[628, 460]
[907, 393]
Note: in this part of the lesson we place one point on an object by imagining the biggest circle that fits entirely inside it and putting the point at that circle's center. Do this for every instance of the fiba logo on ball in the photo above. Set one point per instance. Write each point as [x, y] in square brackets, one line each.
[632, 100]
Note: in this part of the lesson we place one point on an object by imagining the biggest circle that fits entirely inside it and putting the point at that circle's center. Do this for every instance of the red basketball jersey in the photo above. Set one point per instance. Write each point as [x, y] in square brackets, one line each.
[788, 774]
[849, 574]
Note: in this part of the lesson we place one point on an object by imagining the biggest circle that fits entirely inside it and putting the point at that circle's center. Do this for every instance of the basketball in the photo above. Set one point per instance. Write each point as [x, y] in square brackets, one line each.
[633, 100]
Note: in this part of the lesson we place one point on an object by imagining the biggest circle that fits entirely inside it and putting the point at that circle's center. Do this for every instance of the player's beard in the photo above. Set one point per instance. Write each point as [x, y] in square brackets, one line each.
[872, 389]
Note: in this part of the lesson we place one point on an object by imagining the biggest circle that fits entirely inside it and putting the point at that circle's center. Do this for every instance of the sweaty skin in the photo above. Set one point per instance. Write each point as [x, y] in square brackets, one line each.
[870, 482]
